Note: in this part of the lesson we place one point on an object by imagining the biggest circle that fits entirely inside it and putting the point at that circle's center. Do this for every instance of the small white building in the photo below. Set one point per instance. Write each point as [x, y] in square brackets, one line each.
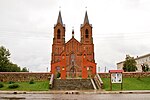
[145, 59]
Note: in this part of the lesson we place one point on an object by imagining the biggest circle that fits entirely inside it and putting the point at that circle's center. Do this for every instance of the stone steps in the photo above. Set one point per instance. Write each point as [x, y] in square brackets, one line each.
[72, 84]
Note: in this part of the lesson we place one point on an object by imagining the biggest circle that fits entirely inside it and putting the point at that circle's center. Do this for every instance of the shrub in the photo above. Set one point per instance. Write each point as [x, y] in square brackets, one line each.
[1, 85]
[13, 86]
[31, 81]
[11, 82]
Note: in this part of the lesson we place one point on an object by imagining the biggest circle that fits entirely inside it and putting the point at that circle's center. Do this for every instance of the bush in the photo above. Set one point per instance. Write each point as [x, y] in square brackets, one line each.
[11, 82]
[13, 86]
[31, 81]
[1, 85]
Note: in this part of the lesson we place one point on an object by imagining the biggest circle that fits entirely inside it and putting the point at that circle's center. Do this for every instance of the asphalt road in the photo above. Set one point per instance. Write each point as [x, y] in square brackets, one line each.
[75, 96]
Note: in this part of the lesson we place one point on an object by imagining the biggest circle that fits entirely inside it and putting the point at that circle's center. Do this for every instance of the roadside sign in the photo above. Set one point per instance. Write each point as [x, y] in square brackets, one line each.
[116, 77]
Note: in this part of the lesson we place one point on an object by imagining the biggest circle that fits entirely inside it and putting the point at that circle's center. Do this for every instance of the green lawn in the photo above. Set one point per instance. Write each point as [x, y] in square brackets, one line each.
[25, 86]
[129, 84]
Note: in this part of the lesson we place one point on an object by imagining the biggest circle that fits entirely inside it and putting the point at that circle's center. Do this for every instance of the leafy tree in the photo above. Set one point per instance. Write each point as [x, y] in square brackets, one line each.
[129, 64]
[24, 69]
[13, 68]
[145, 67]
[4, 58]
[5, 64]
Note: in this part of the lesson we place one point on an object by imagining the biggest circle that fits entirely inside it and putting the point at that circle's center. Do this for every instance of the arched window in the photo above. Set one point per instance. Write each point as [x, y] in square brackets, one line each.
[86, 33]
[58, 34]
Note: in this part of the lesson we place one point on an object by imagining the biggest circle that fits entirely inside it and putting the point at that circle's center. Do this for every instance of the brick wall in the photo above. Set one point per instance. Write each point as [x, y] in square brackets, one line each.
[23, 76]
[127, 74]
[27, 76]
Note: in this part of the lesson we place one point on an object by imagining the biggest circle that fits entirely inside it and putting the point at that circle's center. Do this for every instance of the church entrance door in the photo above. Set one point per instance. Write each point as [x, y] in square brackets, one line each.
[57, 72]
[72, 71]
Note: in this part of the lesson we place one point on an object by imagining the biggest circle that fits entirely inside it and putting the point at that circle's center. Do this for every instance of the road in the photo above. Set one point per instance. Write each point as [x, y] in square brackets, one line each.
[75, 96]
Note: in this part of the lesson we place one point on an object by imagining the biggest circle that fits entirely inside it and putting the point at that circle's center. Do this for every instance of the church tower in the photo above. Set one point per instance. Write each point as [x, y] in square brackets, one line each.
[87, 39]
[86, 31]
[59, 31]
[58, 40]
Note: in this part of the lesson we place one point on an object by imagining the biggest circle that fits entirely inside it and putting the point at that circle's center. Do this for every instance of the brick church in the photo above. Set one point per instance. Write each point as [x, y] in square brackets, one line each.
[73, 59]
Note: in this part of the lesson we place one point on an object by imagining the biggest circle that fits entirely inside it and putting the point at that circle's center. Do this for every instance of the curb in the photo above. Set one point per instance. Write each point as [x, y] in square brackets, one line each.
[75, 92]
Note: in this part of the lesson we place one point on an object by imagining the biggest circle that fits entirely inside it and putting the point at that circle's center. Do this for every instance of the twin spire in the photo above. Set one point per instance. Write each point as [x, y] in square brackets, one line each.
[59, 20]
[86, 20]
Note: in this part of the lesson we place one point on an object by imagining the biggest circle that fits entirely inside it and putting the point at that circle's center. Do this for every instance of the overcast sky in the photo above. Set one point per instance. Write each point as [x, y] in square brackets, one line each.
[120, 27]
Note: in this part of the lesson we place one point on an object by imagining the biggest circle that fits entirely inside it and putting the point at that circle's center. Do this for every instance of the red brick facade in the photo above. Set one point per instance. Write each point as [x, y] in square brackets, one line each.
[73, 58]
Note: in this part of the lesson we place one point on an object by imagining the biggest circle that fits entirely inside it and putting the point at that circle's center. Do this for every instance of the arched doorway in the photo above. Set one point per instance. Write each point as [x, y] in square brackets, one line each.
[72, 71]
[57, 72]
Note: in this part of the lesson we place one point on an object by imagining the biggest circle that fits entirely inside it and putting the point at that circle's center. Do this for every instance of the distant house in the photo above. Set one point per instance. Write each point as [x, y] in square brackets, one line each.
[140, 60]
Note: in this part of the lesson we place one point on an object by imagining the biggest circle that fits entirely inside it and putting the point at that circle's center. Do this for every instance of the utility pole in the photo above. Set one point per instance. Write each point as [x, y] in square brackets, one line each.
[105, 69]
[47, 69]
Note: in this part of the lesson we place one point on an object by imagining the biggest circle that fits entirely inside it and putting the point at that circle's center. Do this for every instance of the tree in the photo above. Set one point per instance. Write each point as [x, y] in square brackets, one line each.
[24, 69]
[129, 64]
[13, 68]
[145, 67]
[4, 58]
[5, 64]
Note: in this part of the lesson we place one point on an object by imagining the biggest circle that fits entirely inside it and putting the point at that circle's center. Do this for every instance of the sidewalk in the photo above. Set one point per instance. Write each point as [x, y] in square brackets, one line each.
[77, 92]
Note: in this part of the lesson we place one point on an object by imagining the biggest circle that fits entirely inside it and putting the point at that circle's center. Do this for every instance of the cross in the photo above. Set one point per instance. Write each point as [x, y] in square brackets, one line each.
[59, 7]
[86, 7]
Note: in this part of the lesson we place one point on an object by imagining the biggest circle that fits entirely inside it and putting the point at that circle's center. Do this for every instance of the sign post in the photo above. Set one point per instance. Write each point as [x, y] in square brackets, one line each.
[116, 77]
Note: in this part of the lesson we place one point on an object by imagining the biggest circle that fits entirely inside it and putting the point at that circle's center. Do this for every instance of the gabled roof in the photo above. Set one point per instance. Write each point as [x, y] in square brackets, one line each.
[73, 39]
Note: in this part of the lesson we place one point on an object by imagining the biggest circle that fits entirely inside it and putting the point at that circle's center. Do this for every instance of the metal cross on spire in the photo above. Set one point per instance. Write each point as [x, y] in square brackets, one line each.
[72, 31]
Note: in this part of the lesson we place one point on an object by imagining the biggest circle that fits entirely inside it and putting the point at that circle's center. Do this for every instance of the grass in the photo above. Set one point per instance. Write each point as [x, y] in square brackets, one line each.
[129, 84]
[25, 86]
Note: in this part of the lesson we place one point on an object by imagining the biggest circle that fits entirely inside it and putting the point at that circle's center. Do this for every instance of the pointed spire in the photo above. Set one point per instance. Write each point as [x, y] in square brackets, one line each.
[72, 33]
[59, 20]
[86, 20]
